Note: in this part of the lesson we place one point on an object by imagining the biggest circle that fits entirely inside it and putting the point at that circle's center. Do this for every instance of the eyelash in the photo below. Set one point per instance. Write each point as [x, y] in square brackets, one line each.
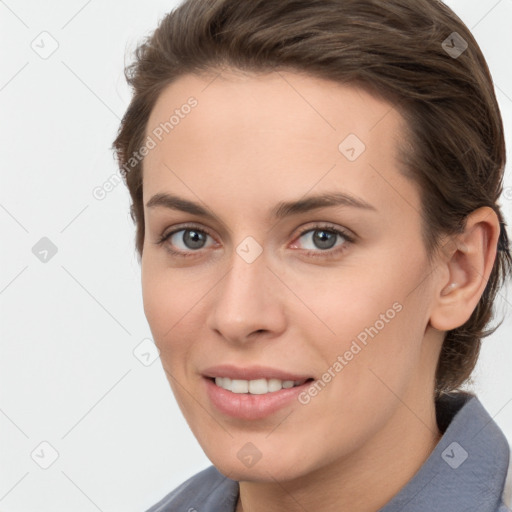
[319, 253]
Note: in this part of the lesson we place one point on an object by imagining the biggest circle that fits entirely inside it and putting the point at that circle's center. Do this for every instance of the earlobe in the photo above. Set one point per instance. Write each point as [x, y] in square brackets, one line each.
[468, 264]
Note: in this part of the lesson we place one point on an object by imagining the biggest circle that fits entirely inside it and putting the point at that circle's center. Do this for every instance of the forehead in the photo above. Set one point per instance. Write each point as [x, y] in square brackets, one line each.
[271, 134]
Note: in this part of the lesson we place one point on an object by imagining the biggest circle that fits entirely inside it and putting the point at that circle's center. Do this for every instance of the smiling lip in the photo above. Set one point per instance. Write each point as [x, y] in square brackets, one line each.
[247, 406]
[251, 373]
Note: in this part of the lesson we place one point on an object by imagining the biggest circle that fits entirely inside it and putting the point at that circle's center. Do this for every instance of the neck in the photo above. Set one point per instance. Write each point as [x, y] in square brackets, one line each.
[383, 465]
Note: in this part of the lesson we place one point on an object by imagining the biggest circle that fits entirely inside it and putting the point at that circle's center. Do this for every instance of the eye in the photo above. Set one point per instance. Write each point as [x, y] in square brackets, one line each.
[188, 240]
[191, 239]
[323, 238]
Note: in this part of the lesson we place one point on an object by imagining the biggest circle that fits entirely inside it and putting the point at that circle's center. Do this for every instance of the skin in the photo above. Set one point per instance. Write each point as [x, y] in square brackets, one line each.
[255, 140]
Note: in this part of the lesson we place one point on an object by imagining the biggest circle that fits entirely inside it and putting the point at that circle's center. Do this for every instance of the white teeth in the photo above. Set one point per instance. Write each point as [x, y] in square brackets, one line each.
[223, 382]
[274, 385]
[255, 387]
[239, 386]
[258, 387]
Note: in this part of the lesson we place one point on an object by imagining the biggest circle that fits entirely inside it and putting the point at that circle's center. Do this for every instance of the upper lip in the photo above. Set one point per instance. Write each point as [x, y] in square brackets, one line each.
[251, 373]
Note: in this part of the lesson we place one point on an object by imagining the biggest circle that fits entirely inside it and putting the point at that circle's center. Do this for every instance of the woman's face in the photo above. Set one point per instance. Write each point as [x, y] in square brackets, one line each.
[273, 291]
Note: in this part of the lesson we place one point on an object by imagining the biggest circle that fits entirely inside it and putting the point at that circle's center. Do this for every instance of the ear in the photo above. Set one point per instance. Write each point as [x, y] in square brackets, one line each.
[464, 270]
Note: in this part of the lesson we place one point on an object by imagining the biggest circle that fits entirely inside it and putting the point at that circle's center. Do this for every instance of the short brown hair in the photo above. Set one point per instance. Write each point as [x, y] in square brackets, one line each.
[395, 49]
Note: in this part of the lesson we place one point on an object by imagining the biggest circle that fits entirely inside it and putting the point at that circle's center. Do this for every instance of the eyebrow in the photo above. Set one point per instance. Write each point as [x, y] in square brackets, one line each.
[280, 211]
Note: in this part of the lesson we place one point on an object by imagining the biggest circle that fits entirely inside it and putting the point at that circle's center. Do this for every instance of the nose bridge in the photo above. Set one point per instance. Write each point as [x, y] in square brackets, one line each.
[246, 300]
[245, 284]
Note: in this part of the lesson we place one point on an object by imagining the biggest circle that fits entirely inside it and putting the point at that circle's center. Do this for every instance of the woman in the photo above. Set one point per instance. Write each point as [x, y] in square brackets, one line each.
[315, 188]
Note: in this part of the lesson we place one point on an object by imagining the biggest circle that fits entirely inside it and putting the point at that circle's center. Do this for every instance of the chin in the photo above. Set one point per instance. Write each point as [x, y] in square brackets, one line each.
[266, 469]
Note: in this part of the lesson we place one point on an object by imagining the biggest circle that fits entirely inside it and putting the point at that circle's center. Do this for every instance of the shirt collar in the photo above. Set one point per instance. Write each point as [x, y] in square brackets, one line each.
[467, 469]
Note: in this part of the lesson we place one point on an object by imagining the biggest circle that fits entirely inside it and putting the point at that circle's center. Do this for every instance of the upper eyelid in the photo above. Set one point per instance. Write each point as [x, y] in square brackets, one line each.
[314, 225]
[185, 228]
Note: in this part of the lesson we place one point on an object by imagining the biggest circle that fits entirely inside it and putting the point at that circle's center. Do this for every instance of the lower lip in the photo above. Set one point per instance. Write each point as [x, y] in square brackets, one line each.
[251, 407]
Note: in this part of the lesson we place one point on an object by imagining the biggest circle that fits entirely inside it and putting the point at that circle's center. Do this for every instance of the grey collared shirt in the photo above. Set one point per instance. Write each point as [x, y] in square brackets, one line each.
[468, 471]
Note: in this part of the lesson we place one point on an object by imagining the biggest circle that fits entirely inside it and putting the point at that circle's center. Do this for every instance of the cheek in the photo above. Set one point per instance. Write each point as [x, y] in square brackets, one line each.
[378, 321]
[166, 304]
[156, 296]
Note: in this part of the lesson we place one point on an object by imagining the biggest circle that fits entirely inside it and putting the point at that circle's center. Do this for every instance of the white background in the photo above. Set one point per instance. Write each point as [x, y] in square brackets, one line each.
[68, 375]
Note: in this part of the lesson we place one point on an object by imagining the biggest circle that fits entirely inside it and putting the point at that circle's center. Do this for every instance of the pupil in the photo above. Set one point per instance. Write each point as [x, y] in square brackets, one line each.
[194, 241]
[321, 241]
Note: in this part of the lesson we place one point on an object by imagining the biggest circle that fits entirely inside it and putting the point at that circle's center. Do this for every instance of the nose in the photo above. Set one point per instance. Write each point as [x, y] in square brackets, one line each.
[249, 302]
